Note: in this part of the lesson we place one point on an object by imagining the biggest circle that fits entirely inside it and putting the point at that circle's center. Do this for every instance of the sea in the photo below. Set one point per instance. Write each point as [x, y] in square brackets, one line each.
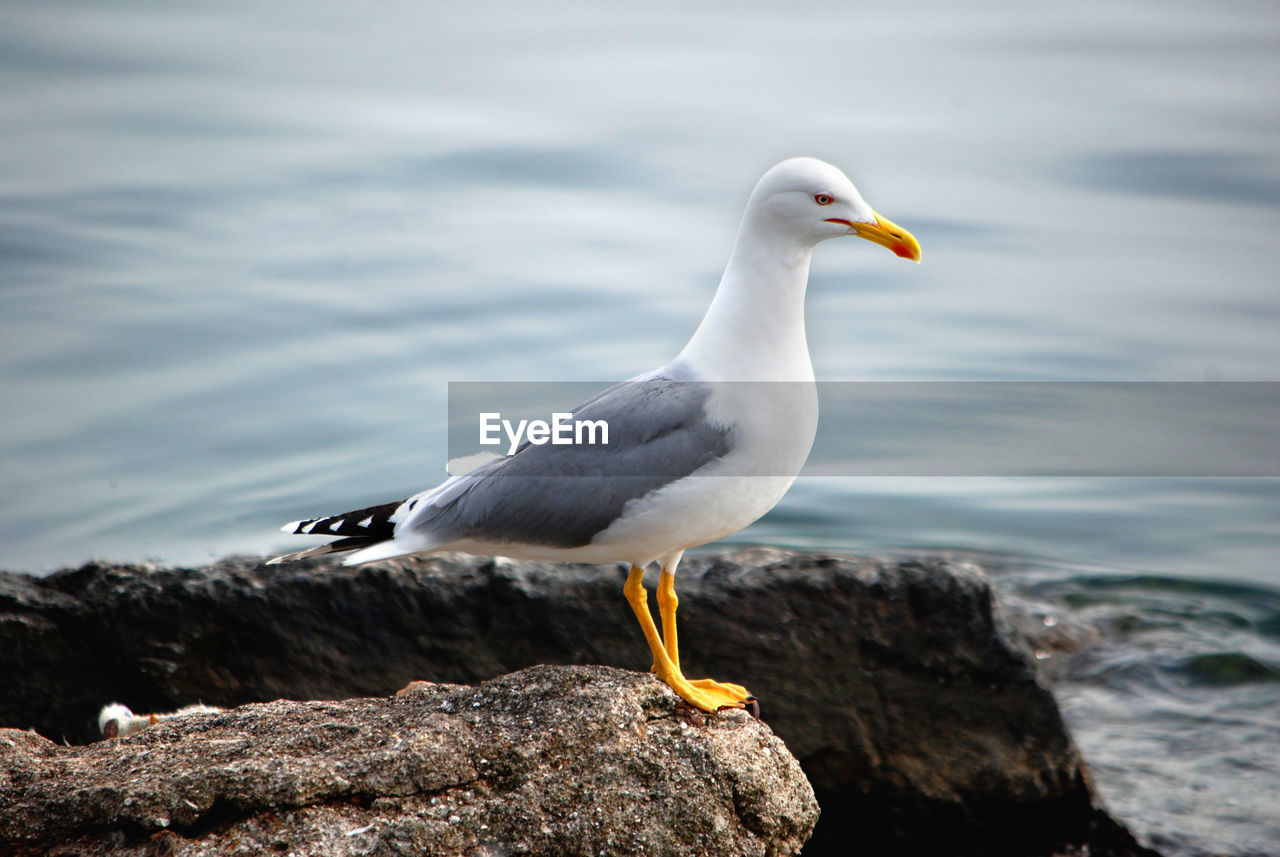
[246, 247]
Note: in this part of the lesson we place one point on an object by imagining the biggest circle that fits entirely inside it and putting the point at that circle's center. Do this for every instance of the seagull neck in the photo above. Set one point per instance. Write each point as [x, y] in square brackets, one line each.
[754, 328]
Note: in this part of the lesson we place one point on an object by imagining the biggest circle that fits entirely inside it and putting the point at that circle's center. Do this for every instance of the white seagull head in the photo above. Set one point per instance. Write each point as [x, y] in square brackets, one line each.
[809, 201]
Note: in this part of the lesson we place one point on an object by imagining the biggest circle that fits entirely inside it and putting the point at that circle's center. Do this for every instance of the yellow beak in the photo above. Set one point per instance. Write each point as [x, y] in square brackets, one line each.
[886, 233]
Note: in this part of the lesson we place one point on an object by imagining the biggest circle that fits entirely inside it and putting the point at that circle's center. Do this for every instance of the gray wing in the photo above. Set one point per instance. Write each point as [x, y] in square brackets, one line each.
[562, 496]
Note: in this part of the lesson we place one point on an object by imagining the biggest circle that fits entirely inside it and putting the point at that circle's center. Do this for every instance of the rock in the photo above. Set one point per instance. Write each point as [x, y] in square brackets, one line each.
[914, 710]
[547, 761]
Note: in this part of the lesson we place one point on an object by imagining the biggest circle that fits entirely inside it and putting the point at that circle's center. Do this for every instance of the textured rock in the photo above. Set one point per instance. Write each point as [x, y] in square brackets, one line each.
[547, 761]
[916, 713]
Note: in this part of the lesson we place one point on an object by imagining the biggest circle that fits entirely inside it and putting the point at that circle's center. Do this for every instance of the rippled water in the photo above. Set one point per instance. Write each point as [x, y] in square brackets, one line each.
[1172, 687]
[244, 247]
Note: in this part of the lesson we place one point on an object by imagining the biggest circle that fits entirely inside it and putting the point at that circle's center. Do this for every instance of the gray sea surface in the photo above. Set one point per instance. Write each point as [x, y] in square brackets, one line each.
[245, 247]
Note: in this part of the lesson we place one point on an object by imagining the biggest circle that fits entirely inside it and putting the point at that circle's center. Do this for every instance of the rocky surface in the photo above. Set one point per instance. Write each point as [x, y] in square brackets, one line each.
[914, 710]
[546, 761]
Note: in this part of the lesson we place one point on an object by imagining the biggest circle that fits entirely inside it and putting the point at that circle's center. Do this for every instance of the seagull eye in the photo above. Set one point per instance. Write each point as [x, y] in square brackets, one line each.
[822, 199]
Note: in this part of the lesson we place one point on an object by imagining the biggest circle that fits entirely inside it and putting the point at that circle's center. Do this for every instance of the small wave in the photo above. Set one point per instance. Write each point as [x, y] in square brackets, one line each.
[1227, 669]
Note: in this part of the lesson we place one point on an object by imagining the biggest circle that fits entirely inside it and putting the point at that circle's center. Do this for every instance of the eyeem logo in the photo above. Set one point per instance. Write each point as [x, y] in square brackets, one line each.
[563, 430]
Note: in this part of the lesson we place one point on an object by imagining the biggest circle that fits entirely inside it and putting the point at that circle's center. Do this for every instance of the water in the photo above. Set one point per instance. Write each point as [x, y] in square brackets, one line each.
[1171, 686]
[244, 247]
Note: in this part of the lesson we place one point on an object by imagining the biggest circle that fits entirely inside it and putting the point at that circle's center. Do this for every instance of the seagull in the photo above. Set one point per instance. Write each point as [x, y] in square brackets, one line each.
[698, 448]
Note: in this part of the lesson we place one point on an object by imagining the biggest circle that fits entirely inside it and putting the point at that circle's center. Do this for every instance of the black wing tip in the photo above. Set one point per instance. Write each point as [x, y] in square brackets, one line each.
[359, 529]
[373, 522]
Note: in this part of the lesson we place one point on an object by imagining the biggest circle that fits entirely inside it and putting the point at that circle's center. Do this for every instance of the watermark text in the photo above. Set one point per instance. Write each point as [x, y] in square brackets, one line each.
[563, 430]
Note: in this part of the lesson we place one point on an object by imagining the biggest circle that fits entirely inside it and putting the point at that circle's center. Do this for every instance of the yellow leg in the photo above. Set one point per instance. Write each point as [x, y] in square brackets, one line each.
[667, 603]
[706, 694]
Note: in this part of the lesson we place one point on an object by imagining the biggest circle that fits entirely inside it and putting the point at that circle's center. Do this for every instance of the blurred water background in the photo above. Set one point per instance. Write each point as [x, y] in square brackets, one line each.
[244, 248]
